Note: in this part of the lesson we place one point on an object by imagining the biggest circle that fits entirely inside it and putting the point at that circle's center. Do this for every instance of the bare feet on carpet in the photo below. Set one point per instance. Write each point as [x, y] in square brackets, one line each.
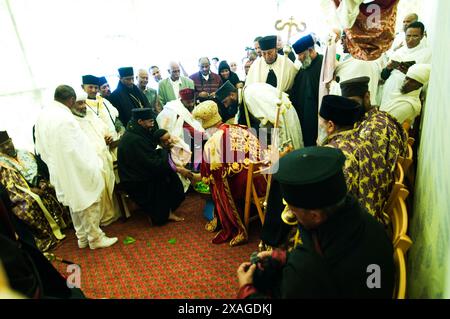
[175, 218]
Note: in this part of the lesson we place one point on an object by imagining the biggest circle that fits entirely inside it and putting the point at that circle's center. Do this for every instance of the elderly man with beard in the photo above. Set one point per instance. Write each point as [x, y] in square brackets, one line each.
[100, 139]
[305, 91]
[145, 172]
[74, 166]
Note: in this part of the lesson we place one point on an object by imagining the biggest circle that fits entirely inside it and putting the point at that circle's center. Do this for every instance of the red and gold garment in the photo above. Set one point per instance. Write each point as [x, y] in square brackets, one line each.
[227, 155]
[372, 34]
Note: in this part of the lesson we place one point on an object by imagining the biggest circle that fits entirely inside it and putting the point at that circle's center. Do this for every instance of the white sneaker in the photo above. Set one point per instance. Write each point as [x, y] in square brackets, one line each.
[82, 244]
[103, 242]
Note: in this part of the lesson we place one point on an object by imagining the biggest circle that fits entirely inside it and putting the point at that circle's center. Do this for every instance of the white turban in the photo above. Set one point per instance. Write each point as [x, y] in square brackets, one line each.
[420, 73]
[81, 95]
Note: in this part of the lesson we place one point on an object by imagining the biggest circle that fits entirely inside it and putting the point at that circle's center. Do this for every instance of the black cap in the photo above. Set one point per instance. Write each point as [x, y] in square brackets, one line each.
[341, 110]
[142, 114]
[102, 80]
[89, 79]
[312, 177]
[355, 87]
[225, 90]
[3, 136]
[303, 44]
[268, 42]
[125, 72]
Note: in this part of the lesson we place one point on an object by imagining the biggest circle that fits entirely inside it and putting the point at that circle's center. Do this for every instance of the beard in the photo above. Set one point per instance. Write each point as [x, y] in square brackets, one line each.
[322, 135]
[79, 113]
[307, 62]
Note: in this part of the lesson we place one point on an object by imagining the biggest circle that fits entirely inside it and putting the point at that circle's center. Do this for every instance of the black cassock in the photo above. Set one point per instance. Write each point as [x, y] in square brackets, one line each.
[304, 96]
[125, 99]
[146, 175]
[349, 256]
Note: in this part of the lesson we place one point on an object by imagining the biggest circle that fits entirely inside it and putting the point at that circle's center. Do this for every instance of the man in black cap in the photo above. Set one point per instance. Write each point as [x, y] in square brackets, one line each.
[344, 252]
[368, 172]
[269, 68]
[305, 91]
[105, 90]
[380, 131]
[145, 172]
[127, 95]
[227, 100]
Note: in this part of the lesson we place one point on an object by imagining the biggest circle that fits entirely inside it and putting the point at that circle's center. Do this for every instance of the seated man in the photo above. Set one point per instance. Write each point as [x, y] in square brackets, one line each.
[227, 154]
[33, 198]
[340, 241]
[406, 104]
[367, 173]
[145, 172]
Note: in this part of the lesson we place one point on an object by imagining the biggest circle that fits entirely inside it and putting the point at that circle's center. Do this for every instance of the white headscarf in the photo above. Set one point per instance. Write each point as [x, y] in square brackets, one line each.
[81, 95]
[420, 73]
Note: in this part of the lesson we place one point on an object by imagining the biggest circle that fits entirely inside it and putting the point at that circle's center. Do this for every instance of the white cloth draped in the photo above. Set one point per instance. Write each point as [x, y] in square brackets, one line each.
[420, 54]
[260, 69]
[173, 116]
[261, 100]
[351, 68]
[404, 107]
[96, 130]
[74, 166]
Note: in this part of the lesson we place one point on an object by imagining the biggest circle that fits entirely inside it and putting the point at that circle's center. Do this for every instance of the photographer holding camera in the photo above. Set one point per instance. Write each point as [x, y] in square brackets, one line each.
[341, 243]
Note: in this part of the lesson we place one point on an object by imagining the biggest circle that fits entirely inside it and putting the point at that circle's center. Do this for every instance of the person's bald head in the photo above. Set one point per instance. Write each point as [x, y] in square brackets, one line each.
[174, 71]
[204, 65]
[410, 18]
[142, 79]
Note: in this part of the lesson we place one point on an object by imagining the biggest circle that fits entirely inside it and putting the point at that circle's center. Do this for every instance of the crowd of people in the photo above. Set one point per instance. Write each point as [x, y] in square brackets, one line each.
[338, 140]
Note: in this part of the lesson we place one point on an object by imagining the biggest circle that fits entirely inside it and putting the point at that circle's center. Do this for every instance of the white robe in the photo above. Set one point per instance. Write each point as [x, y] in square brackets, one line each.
[173, 116]
[351, 68]
[260, 69]
[420, 54]
[262, 99]
[404, 107]
[106, 112]
[74, 166]
[96, 130]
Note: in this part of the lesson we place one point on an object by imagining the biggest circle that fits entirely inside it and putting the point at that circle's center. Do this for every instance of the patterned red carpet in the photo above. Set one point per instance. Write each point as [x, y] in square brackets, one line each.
[156, 267]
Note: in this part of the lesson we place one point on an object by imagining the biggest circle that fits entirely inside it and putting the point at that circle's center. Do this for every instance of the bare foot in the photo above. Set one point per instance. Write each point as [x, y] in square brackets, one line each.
[175, 218]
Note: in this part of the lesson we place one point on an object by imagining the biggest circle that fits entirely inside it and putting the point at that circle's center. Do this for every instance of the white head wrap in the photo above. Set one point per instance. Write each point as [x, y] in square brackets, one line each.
[81, 95]
[420, 73]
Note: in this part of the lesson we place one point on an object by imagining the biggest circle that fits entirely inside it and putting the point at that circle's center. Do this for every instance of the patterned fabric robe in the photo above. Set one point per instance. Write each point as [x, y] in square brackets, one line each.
[372, 149]
[17, 176]
[227, 155]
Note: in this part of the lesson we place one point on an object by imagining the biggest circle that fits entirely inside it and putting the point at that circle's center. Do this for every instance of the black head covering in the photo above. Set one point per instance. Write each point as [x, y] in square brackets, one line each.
[355, 87]
[158, 134]
[223, 65]
[126, 71]
[225, 90]
[89, 79]
[312, 178]
[268, 42]
[3, 136]
[102, 80]
[341, 110]
[142, 114]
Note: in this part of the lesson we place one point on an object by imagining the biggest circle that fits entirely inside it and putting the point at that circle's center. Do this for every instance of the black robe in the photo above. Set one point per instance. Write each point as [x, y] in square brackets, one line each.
[146, 175]
[350, 242]
[124, 103]
[305, 98]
